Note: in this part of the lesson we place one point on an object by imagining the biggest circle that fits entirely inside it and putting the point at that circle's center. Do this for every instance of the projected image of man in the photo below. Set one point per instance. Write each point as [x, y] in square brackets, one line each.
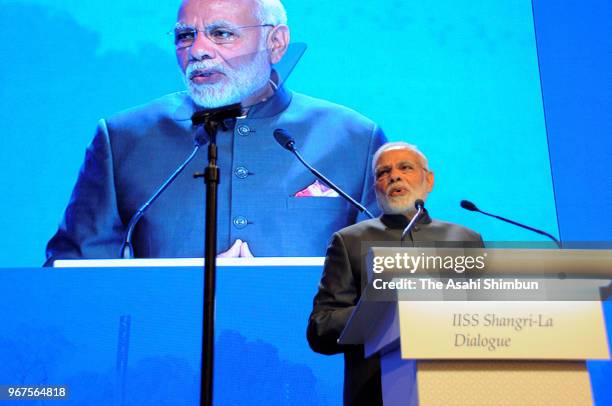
[228, 51]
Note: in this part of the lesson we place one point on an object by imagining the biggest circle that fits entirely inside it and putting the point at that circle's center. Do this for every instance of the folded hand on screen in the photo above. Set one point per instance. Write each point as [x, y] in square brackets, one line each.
[239, 249]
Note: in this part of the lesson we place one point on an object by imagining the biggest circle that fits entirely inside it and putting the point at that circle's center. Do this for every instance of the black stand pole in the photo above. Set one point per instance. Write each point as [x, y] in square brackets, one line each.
[211, 178]
[212, 119]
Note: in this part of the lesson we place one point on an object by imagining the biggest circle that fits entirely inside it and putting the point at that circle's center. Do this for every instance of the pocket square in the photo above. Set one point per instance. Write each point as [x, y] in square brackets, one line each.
[317, 189]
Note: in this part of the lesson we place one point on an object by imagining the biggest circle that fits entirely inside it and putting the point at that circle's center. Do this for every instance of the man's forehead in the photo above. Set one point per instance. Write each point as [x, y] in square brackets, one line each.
[397, 155]
[194, 12]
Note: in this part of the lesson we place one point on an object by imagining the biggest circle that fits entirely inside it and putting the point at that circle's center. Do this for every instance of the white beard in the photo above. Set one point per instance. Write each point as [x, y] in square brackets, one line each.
[240, 82]
[400, 204]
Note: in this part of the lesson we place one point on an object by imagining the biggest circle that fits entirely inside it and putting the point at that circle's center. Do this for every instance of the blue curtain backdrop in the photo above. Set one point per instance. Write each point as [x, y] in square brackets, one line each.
[510, 100]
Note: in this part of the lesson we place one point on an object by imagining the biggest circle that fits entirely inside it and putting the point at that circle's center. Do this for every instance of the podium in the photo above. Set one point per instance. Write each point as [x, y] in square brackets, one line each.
[482, 351]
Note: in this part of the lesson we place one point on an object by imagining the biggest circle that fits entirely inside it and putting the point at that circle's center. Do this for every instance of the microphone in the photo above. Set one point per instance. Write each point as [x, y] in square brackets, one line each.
[419, 205]
[127, 251]
[466, 204]
[286, 141]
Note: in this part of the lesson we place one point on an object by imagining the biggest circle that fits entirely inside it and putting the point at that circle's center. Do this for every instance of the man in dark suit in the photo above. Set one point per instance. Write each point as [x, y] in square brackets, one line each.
[269, 205]
[401, 176]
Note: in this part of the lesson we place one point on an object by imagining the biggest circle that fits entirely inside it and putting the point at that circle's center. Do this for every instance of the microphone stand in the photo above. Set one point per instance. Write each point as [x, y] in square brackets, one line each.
[286, 141]
[211, 119]
[127, 250]
[211, 179]
[420, 206]
[466, 204]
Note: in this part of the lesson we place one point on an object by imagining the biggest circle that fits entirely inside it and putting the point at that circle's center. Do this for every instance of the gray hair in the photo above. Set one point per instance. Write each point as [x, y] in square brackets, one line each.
[271, 12]
[399, 145]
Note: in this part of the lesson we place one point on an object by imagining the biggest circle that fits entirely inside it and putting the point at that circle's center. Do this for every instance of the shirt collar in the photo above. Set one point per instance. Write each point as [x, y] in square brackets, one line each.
[399, 221]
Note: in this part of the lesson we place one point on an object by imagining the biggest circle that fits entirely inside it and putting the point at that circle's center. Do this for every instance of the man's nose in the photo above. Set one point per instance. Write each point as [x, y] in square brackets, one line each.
[202, 48]
[394, 175]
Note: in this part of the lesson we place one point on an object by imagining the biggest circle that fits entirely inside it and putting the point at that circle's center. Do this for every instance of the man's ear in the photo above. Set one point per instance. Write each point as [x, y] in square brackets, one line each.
[429, 180]
[278, 41]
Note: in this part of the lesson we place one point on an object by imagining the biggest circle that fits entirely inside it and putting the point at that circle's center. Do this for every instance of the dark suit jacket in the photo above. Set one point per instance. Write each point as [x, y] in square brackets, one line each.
[134, 152]
[341, 286]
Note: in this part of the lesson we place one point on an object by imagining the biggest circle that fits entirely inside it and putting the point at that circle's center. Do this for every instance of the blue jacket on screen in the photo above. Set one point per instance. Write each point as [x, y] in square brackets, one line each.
[134, 152]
